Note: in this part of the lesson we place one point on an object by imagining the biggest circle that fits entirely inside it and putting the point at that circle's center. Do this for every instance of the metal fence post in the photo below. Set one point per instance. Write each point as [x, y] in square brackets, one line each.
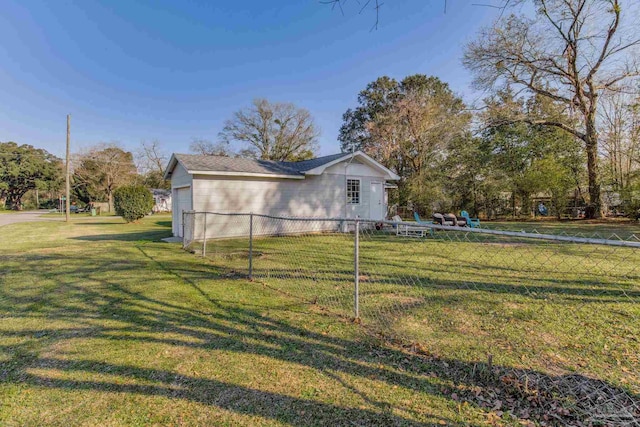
[183, 236]
[204, 240]
[356, 271]
[251, 246]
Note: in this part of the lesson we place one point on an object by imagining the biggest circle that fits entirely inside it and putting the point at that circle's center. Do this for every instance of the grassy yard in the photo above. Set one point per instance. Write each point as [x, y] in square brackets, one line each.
[618, 228]
[75, 215]
[103, 324]
[561, 309]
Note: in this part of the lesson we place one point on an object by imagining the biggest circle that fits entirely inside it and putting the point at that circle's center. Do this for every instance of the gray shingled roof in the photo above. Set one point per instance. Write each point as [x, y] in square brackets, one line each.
[194, 162]
[307, 165]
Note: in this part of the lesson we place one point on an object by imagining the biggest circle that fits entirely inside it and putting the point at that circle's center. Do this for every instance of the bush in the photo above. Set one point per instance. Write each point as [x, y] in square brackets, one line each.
[49, 204]
[132, 202]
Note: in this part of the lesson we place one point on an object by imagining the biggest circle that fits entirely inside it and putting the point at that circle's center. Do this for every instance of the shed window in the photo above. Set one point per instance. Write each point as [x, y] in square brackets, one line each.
[353, 191]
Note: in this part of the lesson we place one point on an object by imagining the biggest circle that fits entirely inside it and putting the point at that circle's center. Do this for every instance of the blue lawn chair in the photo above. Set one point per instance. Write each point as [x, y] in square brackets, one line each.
[418, 220]
[471, 222]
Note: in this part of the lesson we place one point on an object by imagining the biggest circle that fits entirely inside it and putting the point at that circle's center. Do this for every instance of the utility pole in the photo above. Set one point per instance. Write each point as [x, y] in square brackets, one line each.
[68, 186]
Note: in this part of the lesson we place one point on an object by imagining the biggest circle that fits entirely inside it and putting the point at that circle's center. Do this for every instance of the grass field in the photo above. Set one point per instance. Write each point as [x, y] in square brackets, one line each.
[75, 215]
[103, 324]
[616, 228]
[549, 306]
[562, 309]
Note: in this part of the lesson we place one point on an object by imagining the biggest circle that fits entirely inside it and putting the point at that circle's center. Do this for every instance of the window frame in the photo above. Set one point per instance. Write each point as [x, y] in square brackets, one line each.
[349, 191]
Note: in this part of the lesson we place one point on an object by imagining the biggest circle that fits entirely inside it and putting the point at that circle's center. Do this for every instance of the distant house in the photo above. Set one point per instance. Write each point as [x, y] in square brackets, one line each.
[161, 200]
[340, 185]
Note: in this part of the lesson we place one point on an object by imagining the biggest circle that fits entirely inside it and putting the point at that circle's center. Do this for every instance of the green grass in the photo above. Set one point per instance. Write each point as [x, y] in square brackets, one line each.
[76, 215]
[102, 324]
[53, 214]
[619, 228]
[557, 308]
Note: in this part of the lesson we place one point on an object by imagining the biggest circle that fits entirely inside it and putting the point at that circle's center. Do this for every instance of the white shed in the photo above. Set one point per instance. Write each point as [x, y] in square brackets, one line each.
[345, 185]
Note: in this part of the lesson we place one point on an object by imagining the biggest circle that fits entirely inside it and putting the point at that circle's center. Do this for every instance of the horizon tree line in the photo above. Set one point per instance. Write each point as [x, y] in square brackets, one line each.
[448, 156]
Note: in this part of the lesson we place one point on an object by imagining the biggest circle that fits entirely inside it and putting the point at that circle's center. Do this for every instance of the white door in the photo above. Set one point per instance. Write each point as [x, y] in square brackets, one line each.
[182, 203]
[376, 201]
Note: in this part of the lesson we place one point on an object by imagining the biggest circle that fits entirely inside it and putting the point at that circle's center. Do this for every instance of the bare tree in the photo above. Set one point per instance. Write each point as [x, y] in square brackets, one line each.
[365, 4]
[272, 131]
[151, 157]
[151, 161]
[208, 148]
[573, 52]
[620, 117]
[376, 5]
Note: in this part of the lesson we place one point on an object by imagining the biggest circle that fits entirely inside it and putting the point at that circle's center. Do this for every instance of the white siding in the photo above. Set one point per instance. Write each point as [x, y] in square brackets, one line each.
[322, 196]
[182, 197]
[181, 182]
[367, 175]
[317, 196]
[353, 168]
[180, 177]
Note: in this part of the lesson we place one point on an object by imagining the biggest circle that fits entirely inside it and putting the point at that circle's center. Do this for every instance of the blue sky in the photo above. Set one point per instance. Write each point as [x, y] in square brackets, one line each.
[130, 71]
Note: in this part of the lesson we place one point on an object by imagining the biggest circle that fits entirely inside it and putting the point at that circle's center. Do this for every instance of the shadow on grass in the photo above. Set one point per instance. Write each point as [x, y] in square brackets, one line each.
[583, 289]
[92, 291]
[119, 221]
[153, 235]
[143, 236]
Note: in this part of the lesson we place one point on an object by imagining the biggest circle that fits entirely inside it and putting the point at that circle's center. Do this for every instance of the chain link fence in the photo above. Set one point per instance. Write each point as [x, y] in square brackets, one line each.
[552, 318]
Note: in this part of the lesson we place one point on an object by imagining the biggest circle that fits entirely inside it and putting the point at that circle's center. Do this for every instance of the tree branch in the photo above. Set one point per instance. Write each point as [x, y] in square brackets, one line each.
[612, 30]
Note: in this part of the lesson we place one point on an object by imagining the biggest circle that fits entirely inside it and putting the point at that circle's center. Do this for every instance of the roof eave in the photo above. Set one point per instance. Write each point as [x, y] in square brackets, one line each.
[245, 174]
[320, 169]
[173, 161]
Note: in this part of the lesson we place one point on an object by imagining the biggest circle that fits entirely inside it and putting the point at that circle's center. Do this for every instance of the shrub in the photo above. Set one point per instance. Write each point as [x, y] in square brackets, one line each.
[132, 202]
[50, 204]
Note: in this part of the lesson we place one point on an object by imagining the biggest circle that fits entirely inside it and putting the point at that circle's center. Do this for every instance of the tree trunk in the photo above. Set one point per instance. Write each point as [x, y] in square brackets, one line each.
[14, 200]
[591, 145]
[110, 200]
[475, 199]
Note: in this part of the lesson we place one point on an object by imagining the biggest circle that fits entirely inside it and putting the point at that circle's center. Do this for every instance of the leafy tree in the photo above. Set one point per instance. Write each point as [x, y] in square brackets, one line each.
[471, 180]
[377, 98]
[408, 126]
[101, 170]
[132, 202]
[517, 149]
[551, 175]
[571, 52]
[272, 131]
[24, 168]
